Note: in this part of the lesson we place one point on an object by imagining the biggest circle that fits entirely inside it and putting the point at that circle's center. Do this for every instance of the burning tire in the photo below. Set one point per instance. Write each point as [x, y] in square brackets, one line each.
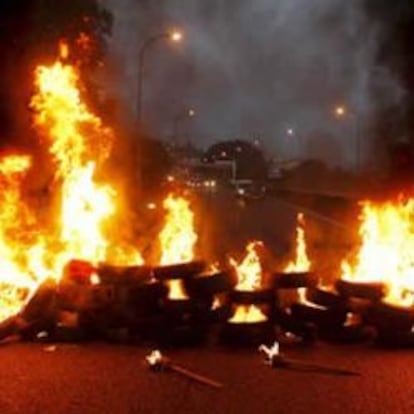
[220, 309]
[201, 285]
[390, 317]
[78, 271]
[179, 271]
[293, 280]
[124, 274]
[324, 297]
[322, 317]
[373, 291]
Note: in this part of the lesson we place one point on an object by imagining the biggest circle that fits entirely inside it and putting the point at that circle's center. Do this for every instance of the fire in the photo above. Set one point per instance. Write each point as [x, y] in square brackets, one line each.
[178, 239]
[249, 274]
[249, 271]
[79, 144]
[387, 249]
[20, 246]
[301, 262]
[63, 50]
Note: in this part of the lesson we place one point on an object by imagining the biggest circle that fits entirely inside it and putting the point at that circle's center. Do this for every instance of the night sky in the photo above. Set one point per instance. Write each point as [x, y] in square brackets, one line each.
[257, 68]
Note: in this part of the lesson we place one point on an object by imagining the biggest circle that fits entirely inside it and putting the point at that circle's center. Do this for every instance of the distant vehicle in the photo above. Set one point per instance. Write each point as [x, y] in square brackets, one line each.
[201, 184]
[249, 189]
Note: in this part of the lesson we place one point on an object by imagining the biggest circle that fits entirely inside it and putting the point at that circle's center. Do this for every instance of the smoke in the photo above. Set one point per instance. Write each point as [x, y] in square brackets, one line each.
[258, 68]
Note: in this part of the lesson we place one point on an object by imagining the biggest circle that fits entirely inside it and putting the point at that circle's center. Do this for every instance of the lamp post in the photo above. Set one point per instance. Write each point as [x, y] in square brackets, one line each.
[186, 114]
[174, 36]
[342, 112]
[291, 133]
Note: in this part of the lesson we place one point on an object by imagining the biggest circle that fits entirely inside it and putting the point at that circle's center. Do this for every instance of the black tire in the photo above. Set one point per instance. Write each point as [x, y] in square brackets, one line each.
[395, 339]
[388, 317]
[373, 291]
[124, 274]
[210, 284]
[324, 297]
[255, 297]
[295, 280]
[323, 318]
[179, 271]
[247, 334]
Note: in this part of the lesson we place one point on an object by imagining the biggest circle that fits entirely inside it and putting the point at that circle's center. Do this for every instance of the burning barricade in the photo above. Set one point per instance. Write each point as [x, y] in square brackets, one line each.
[68, 273]
[382, 272]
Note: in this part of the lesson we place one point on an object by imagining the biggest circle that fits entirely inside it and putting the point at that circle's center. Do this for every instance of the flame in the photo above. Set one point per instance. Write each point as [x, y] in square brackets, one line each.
[249, 275]
[178, 239]
[79, 144]
[63, 50]
[20, 246]
[386, 253]
[301, 262]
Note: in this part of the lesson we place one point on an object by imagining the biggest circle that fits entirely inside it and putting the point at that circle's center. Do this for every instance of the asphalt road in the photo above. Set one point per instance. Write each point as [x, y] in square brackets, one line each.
[98, 378]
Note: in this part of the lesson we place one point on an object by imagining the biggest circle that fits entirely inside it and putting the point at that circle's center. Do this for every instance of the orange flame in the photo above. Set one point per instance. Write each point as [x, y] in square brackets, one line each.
[63, 50]
[301, 262]
[387, 249]
[178, 239]
[20, 246]
[249, 271]
[249, 275]
[79, 143]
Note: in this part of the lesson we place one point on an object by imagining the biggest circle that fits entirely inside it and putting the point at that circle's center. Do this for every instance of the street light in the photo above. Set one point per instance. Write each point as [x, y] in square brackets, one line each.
[342, 112]
[290, 132]
[173, 36]
[185, 114]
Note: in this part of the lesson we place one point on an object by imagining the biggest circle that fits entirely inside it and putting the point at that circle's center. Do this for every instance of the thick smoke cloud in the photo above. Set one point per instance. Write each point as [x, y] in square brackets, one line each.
[257, 68]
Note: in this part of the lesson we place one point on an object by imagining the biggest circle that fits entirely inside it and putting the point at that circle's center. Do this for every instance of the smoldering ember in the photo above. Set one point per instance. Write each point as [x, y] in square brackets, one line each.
[206, 206]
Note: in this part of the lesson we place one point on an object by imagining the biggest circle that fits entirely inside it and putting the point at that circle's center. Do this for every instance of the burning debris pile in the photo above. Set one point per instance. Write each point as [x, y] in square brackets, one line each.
[68, 273]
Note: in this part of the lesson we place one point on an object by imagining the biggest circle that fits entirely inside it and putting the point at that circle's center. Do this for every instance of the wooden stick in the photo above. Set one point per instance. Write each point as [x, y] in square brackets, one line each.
[158, 362]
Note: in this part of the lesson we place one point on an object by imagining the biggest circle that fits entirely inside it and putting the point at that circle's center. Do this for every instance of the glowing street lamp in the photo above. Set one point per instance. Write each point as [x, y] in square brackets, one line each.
[340, 111]
[174, 36]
